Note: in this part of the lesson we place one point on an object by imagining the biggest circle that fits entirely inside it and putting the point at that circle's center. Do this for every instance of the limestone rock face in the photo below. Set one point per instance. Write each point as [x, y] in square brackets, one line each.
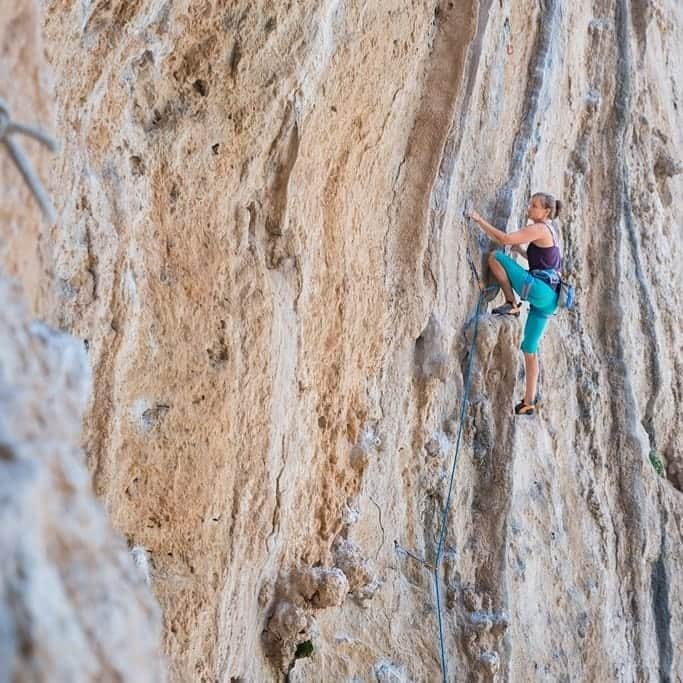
[261, 241]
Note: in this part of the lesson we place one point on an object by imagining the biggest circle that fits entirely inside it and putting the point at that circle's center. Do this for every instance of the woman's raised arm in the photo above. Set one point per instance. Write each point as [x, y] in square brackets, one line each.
[523, 236]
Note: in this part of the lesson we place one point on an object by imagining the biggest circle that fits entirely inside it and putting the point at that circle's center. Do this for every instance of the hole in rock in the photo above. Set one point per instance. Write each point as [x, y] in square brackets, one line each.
[201, 87]
[137, 166]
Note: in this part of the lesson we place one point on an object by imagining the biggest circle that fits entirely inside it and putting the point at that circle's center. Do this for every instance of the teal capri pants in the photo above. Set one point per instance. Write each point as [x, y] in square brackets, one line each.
[541, 296]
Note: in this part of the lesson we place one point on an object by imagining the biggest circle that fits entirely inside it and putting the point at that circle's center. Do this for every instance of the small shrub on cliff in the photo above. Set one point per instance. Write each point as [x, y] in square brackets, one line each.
[657, 462]
[304, 649]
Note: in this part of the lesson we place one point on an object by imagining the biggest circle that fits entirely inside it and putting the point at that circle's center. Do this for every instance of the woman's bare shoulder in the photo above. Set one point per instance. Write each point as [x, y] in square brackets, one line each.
[546, 233]
[535, 230]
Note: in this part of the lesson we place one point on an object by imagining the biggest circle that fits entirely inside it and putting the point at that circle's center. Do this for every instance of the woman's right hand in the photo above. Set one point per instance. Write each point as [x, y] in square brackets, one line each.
[474, 215]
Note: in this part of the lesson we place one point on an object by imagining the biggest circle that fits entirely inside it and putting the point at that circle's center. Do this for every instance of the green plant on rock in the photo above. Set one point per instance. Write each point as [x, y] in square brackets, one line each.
[657, 462]
[304, 649]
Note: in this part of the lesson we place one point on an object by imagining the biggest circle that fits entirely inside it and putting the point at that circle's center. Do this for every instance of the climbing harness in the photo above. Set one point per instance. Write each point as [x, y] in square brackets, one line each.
[550, 276]
[565, 290]
[9, 128]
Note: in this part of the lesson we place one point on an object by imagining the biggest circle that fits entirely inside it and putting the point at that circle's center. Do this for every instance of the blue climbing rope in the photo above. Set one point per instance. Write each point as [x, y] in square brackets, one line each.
[444, 518]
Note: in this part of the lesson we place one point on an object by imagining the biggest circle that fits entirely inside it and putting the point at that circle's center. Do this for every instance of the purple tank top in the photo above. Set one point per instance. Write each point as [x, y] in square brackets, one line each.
[544, 258]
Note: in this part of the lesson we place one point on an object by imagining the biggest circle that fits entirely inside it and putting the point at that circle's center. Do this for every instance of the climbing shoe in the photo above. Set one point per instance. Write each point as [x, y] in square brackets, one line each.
[524, 408]
[508, 308]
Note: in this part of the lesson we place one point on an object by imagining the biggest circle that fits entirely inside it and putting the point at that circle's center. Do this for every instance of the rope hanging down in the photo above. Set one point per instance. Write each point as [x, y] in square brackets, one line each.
[7, 129]
[483, 292]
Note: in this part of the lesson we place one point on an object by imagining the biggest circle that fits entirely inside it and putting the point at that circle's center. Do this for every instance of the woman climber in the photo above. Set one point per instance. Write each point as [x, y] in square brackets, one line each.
[538, 285]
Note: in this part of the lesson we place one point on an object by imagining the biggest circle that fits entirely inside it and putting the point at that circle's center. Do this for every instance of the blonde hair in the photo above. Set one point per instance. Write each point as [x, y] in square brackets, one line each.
[549, 202]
